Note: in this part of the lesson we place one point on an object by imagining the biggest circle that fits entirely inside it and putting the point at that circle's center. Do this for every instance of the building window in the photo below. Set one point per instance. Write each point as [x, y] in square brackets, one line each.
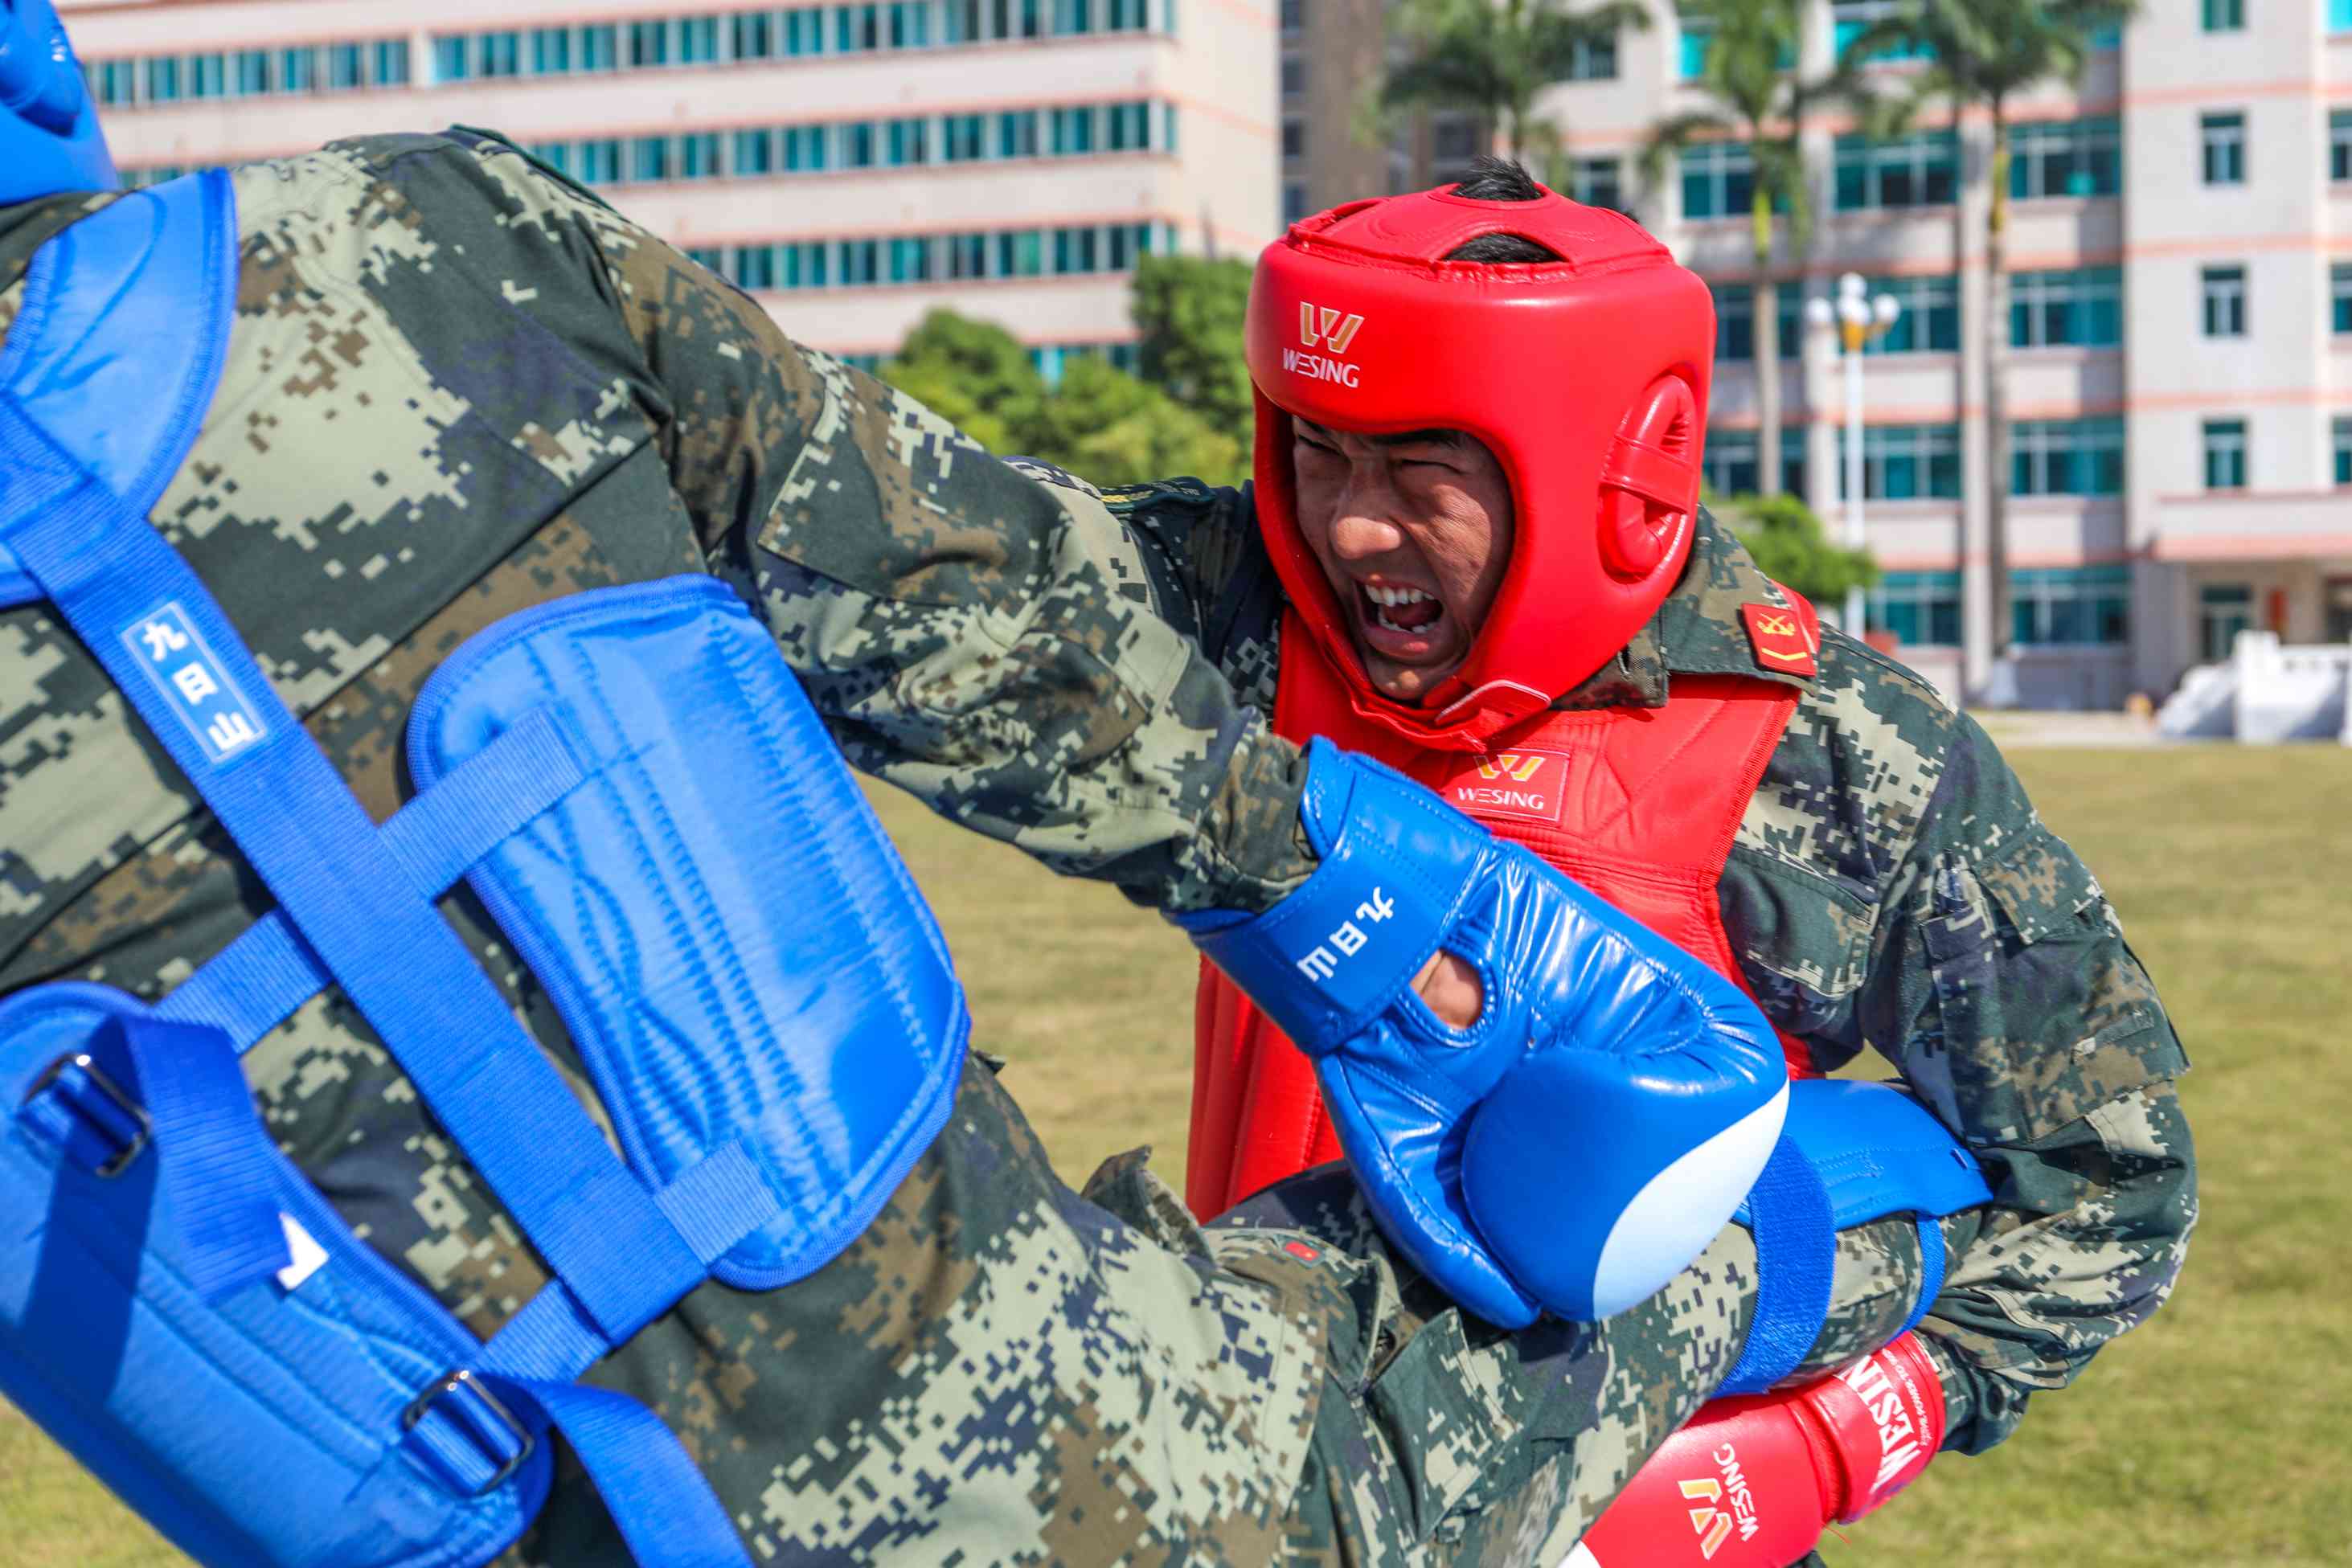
[1593, 59]
[1916, 171]
[1930, 321]
[2077, 604]
[805, 149]
[600, 161]
[2225, 148]
[2225, 455]
[2223, 610]
[298, 70]
[2339, 144]
[1735, 321]
[2080, 308]
[1073, 130]
[346, 66]
[1016, 134]
[2224, 292]
[906, 142]
[1730, 467]
[648, 44]
[698, 40]
[1293, 202]
[2067, 457]
[452, 60]
[2342, 434]
[501, 54]
[754, 153]
[250, 72]
[1294, 17]
[753, 34]
[599, 48]
[1294, 77]
[551, 51]
[697, 155]
[1853, 17]
[2107, 36]
[962, 138]
[2339, 295]
[1597, 182]
[1294, 137]
[2225, 15]
[1697, 34]
[649, 158]
[709, 257]
[2340, 15]
[1718, 179]
[1922, 609]
[1906, 462]
[2065, 158]
[755, 266]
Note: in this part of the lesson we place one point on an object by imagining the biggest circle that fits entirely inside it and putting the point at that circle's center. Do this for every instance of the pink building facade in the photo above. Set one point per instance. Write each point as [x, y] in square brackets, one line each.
[853, 165]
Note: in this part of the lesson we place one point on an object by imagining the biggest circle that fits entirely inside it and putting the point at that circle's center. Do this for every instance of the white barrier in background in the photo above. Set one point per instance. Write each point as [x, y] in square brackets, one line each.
[2266, 692]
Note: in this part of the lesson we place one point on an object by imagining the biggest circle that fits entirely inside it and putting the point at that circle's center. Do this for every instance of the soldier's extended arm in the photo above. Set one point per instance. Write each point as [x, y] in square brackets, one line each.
[2004, 989]
[985, 642]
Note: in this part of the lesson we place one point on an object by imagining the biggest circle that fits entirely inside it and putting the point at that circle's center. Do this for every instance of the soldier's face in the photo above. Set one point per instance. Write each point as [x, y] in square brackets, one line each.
[1412, 532]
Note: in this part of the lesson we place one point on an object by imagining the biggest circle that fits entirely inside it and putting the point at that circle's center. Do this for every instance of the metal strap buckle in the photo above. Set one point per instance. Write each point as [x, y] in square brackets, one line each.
[449, 1383]
[113, 1090]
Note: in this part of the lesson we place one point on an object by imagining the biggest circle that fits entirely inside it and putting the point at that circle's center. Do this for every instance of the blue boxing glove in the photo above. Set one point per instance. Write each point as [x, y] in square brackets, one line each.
[1580, 1143]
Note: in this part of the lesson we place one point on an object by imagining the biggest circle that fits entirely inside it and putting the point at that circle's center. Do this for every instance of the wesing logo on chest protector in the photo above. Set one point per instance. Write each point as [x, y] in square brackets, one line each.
[1334, 330]
[1530, 784]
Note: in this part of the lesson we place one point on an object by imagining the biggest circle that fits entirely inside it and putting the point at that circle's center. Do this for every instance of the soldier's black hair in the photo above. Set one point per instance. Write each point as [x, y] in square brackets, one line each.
[1500, 180]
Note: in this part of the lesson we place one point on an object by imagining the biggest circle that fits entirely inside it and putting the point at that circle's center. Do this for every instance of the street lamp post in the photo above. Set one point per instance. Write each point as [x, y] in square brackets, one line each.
[1858, 318]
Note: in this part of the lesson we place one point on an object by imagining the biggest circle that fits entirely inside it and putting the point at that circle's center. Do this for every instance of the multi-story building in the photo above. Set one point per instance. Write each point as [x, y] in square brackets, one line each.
[2178, 355]
[852, 166]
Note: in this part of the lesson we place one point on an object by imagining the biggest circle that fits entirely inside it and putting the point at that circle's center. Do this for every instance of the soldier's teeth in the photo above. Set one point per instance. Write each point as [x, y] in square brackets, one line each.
[1393, 596]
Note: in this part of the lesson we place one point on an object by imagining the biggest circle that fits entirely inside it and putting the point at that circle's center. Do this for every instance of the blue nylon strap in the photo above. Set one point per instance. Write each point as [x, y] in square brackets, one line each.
[1931, 1270]
[664, 1509]
[174, 653]
[1796, 1252]
[251, 985]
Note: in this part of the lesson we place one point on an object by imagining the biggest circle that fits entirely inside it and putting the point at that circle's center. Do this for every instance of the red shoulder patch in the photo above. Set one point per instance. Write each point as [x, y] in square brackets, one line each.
[1778, 637]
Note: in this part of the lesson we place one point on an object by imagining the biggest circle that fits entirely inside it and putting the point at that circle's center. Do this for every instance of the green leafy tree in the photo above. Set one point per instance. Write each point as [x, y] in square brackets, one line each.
[1981, 55]
[1493, 57]
[1788, 543]
[1113, 429]
[1750, 91]
[1191, 312]
[1100, 422]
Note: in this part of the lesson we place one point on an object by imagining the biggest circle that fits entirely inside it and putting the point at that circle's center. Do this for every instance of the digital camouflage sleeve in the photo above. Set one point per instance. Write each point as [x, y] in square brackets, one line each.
[456, 388]
[1890, 888]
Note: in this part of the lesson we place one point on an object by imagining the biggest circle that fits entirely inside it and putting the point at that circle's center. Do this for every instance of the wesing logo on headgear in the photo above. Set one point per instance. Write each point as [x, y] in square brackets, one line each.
[1334, 330]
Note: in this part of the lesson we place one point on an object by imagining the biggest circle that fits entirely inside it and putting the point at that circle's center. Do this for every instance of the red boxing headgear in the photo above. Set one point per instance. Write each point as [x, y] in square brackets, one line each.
[1586, 377]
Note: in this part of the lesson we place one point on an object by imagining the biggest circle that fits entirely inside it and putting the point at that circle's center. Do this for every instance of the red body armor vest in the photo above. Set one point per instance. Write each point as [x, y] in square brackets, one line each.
[1640, 805]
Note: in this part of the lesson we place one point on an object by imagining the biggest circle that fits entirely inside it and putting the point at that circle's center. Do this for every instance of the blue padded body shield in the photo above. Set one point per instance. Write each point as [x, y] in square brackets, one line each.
[637, 788]
[1849, 1153]
[50, 139]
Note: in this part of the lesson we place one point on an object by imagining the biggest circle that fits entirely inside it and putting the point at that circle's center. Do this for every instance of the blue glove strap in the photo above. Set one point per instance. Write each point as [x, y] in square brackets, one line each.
[1333, 955]
[1796, 1253]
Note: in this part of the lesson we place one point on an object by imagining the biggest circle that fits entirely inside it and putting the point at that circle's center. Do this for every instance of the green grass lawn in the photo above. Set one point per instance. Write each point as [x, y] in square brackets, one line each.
[2208, 1437]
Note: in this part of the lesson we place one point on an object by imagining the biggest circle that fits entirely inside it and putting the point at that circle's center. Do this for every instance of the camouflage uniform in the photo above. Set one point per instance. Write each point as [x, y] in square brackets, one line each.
[457, 387]
[1890, 888]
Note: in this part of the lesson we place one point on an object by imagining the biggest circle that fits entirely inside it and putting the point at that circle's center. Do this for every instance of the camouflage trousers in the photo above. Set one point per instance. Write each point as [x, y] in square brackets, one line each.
[1002, 1370]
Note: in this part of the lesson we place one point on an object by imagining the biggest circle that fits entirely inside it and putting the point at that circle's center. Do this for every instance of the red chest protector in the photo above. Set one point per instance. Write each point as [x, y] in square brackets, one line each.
[1640, 805]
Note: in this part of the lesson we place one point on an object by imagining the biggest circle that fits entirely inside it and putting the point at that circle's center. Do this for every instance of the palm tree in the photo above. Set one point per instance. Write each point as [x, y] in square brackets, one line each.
[1493, 57]
[1751, 93]
[1985, 53]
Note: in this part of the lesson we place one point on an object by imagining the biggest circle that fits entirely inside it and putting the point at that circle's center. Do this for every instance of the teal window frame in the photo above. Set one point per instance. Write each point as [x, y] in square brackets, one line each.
[1930, 318]
[2224, 441]
[2222, 136]
[551, 51]
[1921, 169]
[2079, 307]
[2067, 456]
[2071, 606]
[2221, 293]
[1922, 609]
[1598, 182]
[1730, 464]
[2340, 437]
[2051, 159]
[1724, 175]
[1735, 321]
[2224, 16]
[1907, 463]
[2339, 297]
